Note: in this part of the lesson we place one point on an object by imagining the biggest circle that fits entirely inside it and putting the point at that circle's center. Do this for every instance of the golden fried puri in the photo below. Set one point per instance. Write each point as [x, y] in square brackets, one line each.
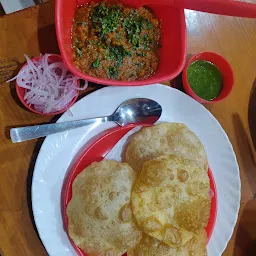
[149, 246]
[100, 220]
[163, 139]
[170, 199]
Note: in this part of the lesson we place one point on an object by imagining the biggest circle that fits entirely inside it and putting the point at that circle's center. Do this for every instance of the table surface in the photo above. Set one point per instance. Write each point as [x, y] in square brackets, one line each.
[32, 31]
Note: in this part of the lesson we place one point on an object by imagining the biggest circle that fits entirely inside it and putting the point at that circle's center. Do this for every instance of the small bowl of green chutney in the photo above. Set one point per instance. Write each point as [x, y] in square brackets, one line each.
[208, 77]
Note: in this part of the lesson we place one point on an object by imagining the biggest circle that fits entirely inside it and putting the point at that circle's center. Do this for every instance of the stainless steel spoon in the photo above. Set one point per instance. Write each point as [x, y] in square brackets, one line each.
[133, 111]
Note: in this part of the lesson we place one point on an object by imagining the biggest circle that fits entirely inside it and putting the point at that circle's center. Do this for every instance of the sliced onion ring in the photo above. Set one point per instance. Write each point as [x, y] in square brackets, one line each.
[49, 85]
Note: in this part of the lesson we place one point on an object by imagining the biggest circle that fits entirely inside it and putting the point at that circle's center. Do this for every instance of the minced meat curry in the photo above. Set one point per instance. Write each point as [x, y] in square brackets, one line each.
[115, 42]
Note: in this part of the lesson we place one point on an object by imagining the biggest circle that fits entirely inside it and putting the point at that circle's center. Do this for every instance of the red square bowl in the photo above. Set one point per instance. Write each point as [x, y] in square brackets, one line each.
[172, 52]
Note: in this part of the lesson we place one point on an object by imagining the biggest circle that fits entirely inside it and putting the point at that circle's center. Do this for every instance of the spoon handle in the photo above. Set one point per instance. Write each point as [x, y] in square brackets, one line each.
[37, 131]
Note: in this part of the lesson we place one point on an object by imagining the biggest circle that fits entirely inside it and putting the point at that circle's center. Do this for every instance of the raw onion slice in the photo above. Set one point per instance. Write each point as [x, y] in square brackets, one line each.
[49, 85]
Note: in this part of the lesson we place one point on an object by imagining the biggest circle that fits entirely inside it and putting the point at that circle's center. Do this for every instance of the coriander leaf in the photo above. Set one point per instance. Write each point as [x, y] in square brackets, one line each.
[148, 25]
[134, 24]
[79, 53]
[81, 23]
[143, 54]
[96, 63]
[106, 19]
[112, 72]
[117, 53]
[77, 42]
[90, 42]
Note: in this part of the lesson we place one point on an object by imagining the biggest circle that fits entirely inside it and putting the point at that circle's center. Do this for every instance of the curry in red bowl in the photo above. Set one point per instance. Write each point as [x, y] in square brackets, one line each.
[115, 53]
[112, 41]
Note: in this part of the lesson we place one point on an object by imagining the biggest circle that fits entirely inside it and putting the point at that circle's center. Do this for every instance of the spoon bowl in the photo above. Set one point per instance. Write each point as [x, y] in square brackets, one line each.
[132, 111]
[137, 111]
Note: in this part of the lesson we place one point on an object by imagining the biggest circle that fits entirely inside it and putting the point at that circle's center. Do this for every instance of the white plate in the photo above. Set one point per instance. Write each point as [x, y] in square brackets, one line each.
[58, 151]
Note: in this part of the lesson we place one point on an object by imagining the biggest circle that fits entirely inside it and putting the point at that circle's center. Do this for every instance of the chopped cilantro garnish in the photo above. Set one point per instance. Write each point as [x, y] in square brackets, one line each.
[106, 19]
[79, 53]
[146, 42]
[143, 54]
[96, 63]
[148, 25]
[118, 36]
[81, 23]
[112, 72]
[117, 53]
[77, 42]
[134, 24]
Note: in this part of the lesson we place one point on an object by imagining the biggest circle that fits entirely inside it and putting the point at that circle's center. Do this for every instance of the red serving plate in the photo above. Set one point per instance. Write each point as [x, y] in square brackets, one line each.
[96, 151]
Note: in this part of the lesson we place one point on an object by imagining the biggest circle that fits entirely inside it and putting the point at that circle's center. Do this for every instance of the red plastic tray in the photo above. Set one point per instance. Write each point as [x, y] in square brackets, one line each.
[95, 152]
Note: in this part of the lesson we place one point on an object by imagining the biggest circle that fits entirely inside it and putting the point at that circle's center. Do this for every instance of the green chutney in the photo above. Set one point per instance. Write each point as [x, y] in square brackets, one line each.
[205, 79]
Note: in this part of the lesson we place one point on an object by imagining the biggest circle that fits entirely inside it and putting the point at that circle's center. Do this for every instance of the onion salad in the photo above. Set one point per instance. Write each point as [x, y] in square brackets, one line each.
[49, 86]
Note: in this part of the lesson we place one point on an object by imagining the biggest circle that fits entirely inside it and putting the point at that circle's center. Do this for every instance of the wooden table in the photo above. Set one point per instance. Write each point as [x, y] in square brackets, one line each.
[32, 31]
